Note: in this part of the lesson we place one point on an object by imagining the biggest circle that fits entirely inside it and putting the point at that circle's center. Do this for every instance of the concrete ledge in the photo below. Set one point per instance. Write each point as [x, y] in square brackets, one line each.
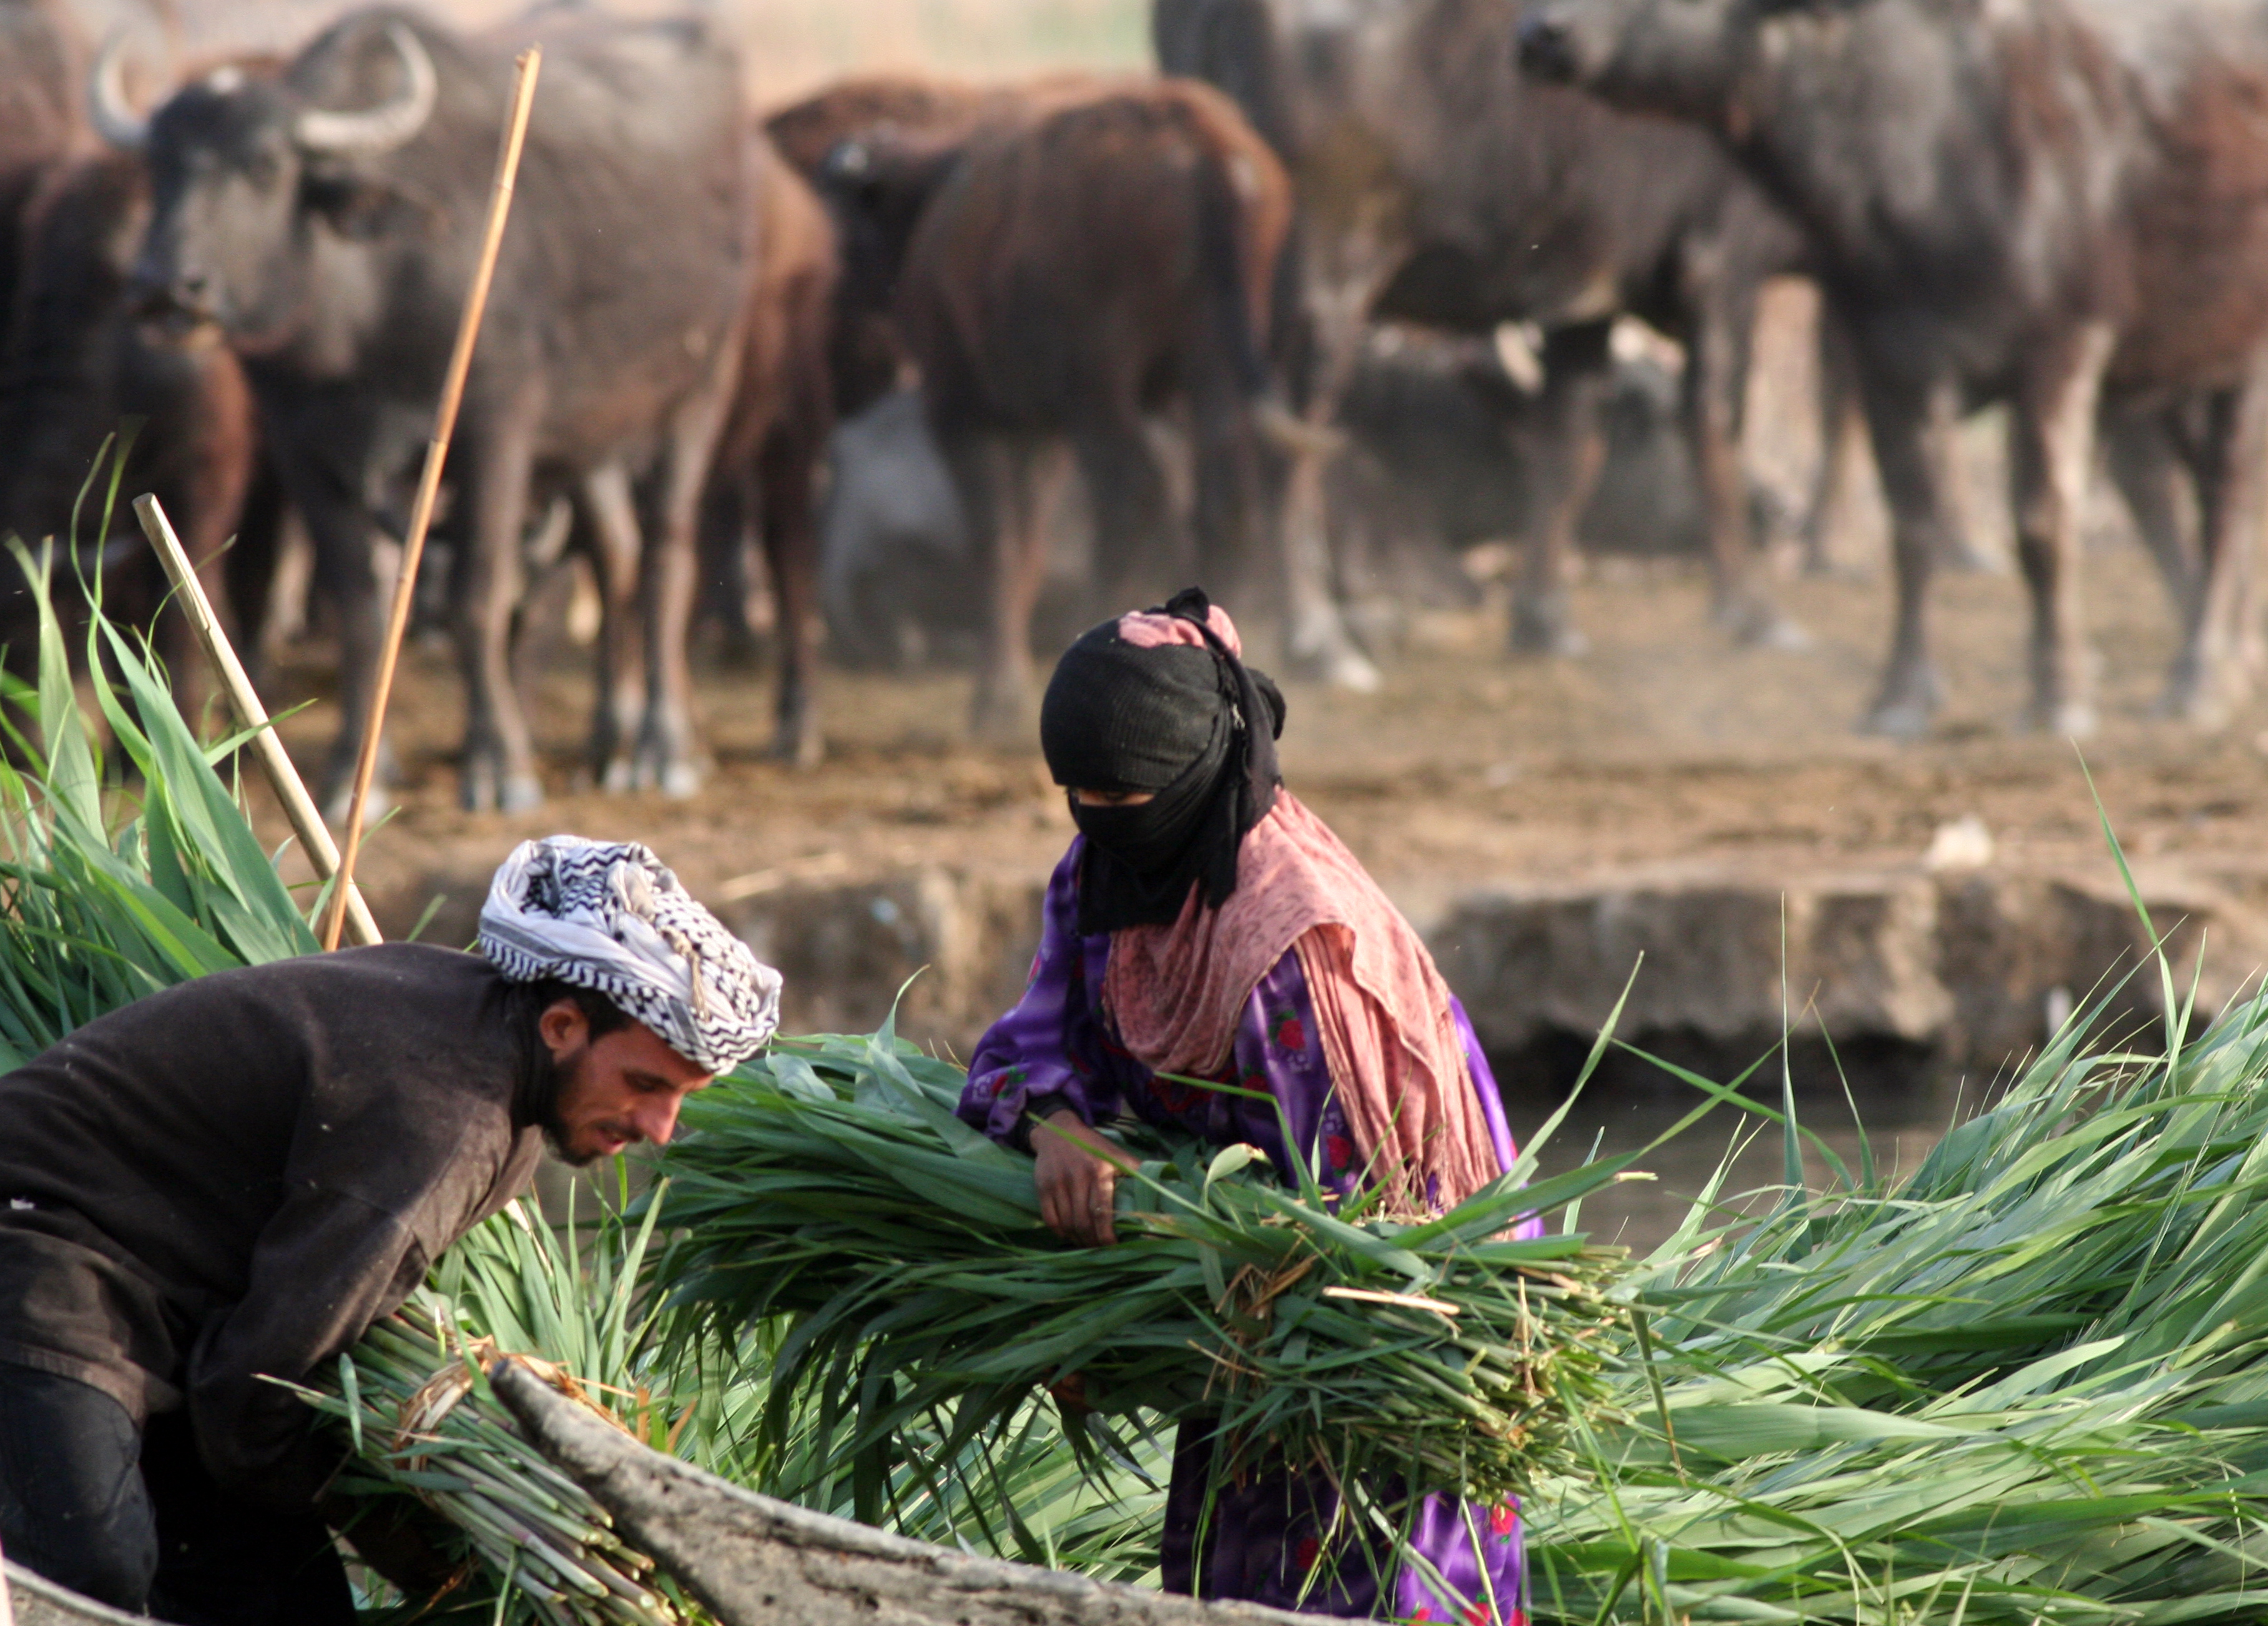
[1967, 965]
[1971, 964]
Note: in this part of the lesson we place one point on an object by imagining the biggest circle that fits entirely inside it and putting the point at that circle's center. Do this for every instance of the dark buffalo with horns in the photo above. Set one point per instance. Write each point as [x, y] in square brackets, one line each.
[1433, 186]
[325, 221]
[2060, 204]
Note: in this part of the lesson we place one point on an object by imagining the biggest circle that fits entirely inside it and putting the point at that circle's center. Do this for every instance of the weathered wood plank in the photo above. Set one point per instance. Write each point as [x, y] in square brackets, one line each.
[756, 1562]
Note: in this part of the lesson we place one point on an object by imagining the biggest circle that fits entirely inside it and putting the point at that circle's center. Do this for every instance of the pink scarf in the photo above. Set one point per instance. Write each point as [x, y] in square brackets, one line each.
[1176, 993]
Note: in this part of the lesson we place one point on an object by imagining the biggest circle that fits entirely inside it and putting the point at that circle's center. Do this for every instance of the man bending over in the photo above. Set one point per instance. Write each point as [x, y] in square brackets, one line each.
[234, 1177]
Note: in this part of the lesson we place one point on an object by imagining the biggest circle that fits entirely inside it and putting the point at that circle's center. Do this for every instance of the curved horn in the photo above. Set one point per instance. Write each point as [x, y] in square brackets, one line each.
[385, 126]
[114, 118]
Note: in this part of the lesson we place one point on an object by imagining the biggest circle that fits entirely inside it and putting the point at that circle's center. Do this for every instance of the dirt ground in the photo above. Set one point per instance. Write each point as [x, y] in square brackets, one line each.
[1662, 744]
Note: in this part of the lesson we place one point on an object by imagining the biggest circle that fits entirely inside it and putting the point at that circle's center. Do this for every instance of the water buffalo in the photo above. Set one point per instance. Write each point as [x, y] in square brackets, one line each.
[2062, 204]
[325, 222]
[1434, 186]
[1067, 274]
[822, 134]
[78, 366]
[768, 461]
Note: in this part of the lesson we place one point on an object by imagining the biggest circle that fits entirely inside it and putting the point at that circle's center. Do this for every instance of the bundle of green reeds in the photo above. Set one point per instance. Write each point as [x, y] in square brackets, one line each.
[415, 1399]
[832, 1182]
[2028, 1383]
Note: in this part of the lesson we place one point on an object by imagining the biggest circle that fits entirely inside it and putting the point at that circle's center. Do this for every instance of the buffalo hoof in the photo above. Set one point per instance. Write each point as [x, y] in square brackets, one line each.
[2066, 719]
[338, 806]
[2193, 697]
[672, 772]
[486, 789]
[1544, 629]
[1557, 643]
[1899, 719]
[1757, 625]
[1341, 669]
[1003, 721]
[1968, 558]
[799, 748]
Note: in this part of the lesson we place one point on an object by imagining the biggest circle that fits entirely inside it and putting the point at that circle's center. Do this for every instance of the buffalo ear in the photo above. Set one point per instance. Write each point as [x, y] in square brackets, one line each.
[359, 209]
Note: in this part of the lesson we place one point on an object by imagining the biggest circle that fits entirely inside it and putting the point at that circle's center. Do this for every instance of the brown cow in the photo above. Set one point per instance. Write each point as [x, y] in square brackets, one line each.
[768, 460]
[1074, 269]
[78, 365]
[824, 133]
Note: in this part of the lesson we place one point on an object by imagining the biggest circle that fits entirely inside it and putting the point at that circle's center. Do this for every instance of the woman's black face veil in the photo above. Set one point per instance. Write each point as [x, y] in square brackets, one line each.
[1141, 861]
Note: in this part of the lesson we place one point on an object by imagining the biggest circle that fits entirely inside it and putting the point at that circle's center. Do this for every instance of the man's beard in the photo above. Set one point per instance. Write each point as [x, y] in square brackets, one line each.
[553, 1078]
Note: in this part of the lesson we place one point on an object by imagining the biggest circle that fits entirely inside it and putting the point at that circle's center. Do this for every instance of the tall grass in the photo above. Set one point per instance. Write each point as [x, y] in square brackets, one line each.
[2028, 1383]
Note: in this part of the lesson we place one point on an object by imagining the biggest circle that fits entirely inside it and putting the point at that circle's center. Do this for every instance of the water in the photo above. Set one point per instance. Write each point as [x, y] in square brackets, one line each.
[1904, 1099]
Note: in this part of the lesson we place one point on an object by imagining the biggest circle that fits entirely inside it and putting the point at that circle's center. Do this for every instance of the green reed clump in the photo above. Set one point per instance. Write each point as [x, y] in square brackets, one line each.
[2028, 1383]
[831, 1182]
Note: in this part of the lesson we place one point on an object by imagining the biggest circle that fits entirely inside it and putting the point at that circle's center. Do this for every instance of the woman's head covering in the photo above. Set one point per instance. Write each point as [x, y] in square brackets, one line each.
[610, 916]
[1161, 701]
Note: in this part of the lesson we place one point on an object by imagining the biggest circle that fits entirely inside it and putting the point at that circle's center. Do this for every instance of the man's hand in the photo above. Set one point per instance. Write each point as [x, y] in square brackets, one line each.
[1077, 1185]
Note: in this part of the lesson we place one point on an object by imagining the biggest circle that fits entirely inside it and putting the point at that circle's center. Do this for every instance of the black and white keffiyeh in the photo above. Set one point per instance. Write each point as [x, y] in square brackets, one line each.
[610, 916]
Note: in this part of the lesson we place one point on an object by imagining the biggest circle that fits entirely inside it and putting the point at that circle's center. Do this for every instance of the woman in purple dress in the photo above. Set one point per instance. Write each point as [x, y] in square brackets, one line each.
[1205, 925]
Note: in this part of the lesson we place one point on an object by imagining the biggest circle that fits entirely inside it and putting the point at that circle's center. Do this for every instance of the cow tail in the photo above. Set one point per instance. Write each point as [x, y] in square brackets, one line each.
[1224, 249]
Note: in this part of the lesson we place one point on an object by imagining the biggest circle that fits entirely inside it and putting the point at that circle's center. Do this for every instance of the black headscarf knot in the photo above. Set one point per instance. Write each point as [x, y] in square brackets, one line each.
[1175, 721]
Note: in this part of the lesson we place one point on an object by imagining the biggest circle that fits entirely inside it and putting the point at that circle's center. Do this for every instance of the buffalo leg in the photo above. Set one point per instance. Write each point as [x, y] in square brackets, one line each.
[1842, 430]
[723, 596]
[1317, 641]
[250, 567]
[2213, 670]
[668, 751]
[1229, 517]
[1567, 459]
[2051, 449]
[1716, 385]
[788, 474]
[994, 480]
[609, 525]
[342, 536]
[1899, 415]
[499, 754]
[1126, 492]
[2142, 457]
[1841, 425]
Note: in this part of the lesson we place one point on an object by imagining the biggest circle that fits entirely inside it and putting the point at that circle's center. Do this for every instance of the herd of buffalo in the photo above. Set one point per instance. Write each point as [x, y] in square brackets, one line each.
[713, 328]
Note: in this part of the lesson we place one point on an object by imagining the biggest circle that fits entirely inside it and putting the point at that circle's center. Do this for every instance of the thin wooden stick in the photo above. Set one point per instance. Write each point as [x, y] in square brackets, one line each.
[428, 484]
[299, 806]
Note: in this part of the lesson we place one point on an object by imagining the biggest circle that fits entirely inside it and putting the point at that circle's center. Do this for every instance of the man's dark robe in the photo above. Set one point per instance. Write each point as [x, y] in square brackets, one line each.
[237, 1176]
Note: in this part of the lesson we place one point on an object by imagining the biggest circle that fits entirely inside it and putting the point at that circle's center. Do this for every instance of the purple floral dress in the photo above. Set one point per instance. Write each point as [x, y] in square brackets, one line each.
[1261, 1539]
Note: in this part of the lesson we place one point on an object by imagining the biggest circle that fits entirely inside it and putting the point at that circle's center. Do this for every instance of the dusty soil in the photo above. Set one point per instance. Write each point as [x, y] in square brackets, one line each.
[1662, 744]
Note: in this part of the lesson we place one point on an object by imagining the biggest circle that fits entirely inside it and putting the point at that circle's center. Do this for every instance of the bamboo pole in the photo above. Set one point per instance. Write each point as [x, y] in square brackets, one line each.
[299, 806]
[428, 484]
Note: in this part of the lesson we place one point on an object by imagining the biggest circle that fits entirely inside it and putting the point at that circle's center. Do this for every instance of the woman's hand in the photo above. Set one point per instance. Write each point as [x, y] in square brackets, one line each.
[1077, 1185]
